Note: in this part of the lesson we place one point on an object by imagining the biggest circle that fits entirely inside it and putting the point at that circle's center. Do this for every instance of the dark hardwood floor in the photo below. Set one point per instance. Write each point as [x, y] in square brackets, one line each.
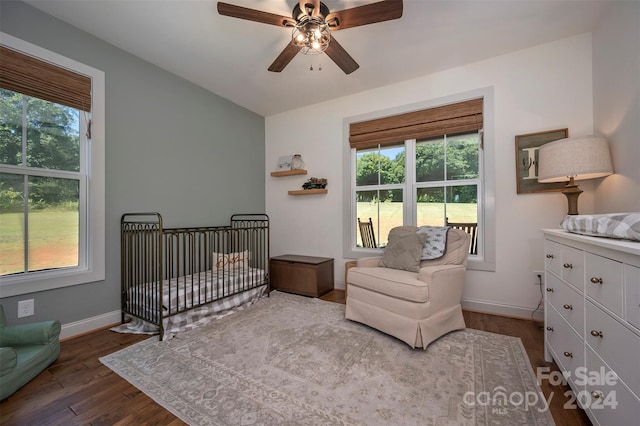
[78, 390]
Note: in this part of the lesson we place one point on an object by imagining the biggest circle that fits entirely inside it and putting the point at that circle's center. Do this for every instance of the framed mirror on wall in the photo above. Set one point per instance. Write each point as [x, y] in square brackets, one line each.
[527, 161]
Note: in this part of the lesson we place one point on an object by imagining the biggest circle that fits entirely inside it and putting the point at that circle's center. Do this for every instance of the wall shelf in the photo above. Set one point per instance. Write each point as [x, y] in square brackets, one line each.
[300, 191]
[308, 191]
[289, 172]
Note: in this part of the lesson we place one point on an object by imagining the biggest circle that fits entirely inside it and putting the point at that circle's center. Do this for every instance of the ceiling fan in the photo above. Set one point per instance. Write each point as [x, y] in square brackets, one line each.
[312, 23]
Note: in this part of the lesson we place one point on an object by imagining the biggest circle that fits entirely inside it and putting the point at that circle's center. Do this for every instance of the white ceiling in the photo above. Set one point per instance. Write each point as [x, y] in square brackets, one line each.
[230, 57]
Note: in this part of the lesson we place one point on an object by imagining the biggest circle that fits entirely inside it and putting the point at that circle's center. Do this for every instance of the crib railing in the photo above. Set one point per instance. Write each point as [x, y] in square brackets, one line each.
[183, 265]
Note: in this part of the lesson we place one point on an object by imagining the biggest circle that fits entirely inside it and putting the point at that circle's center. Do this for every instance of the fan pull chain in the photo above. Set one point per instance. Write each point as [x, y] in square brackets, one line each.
[319, 66]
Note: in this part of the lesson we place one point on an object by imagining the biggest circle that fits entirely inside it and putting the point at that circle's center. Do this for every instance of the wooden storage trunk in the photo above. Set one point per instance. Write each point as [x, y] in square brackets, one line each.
[305, 275]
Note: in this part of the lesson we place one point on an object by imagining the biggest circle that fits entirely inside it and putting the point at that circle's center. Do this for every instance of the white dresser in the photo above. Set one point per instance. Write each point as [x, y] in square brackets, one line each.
[592, 322]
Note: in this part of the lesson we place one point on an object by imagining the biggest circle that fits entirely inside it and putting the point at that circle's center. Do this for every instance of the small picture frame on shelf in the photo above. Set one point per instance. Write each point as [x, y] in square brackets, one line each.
[284, 163]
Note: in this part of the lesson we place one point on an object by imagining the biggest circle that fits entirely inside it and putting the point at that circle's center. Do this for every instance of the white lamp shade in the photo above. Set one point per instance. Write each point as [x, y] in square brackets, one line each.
[585, 157]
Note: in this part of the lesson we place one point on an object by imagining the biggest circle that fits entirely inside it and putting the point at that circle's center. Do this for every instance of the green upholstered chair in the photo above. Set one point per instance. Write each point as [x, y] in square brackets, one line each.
[25, 351]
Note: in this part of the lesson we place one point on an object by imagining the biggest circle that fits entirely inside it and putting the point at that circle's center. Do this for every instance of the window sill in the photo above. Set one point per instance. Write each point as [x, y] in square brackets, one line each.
[480, 265]
[47, 280]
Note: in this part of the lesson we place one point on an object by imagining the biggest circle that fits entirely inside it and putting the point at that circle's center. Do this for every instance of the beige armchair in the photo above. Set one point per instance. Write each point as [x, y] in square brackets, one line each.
[415, 307]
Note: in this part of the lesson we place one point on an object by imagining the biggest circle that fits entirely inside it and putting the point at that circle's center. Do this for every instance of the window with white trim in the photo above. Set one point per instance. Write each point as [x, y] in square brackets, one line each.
[434, 176]
[436, 185]
[51, 170]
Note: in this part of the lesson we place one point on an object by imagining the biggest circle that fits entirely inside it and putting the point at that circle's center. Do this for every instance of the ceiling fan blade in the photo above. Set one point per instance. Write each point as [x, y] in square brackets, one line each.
[341, 57]
[284, 57]
[240, 12]
[313, 4]
[367, 14]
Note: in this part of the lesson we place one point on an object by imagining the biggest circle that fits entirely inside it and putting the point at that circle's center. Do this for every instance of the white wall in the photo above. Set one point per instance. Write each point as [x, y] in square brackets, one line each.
[542, 88]
[616, 92]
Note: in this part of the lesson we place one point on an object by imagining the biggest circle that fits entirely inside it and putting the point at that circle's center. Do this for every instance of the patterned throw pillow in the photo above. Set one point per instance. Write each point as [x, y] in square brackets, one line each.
[234, 261]
[610, 225]
[436, 244]
[403, 252]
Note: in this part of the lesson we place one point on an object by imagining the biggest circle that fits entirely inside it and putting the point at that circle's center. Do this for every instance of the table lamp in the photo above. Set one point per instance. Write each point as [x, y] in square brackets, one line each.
[584, 157]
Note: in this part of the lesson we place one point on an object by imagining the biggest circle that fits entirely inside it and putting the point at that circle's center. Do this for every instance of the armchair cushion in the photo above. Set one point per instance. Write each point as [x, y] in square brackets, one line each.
[403, 285]
[404, 252]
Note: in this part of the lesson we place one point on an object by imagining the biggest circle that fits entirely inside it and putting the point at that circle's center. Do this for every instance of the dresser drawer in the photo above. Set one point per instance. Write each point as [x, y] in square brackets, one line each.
[606, 398]
[573, 267]
[553, 257]
[567, 301]
[603, 282]
[615, 343]
[565, 345]
[632, 295]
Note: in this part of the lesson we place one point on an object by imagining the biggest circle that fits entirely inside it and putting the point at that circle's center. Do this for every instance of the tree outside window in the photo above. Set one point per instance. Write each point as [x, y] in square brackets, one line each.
[40, 184]
[443, 187]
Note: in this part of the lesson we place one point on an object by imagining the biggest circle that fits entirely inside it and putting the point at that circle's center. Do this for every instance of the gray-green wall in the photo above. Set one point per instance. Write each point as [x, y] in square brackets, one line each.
[171, 147]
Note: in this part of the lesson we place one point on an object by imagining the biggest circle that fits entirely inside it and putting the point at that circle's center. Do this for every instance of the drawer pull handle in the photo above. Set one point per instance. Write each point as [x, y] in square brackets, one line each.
[549, 328]
[596, 394]
[568, 266]
[549, 256]
[550, 289]
[568, 354]
[596, 280]
[596, 333]
[569, 307]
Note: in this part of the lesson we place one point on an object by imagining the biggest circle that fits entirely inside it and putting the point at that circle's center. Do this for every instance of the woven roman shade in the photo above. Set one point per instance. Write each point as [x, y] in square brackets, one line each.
[447, 119]
[33, 77]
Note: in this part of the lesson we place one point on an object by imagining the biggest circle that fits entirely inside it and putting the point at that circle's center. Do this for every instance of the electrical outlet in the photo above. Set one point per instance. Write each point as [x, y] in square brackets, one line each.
[25, 308]
[538, 277]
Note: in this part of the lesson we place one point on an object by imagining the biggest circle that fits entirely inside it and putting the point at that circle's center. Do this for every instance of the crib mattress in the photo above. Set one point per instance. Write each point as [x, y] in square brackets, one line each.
[185, 292]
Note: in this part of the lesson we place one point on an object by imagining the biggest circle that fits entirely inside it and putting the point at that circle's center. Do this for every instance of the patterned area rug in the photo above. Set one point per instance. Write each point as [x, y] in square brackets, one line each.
[292, 360]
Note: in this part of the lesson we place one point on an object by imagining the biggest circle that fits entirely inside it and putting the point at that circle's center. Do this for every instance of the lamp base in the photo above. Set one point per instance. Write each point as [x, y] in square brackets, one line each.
[572, 192]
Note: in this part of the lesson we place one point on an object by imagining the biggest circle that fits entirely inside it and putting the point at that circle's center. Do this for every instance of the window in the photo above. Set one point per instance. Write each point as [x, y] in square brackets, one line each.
[433, 176]
[40, 191]
[51, 170]
[447, 179]
[380, 189]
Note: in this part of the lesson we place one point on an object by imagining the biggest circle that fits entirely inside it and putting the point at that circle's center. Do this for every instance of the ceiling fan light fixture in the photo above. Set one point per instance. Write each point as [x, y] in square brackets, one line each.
[311, 35]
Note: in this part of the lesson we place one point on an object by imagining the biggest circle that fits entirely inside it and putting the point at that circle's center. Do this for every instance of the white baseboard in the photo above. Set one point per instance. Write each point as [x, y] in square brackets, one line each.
[89, 324]
[506, 310]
